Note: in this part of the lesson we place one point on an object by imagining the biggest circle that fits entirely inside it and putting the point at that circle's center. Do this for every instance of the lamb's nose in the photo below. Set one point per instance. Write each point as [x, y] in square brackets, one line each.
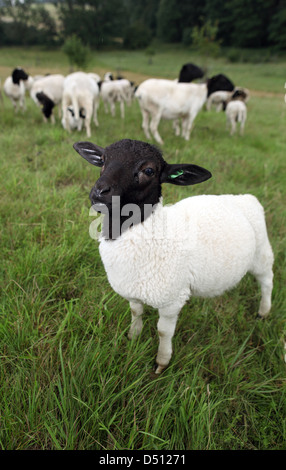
[98, 194]
[100, 191]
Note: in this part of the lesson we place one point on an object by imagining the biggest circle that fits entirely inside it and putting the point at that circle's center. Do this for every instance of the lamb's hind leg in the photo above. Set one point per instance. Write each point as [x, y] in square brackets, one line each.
[264, 276]
[266, 283]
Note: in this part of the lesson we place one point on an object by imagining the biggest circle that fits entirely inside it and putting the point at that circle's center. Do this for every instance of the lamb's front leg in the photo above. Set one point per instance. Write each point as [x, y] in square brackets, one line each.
[166, 328]
[136, 319]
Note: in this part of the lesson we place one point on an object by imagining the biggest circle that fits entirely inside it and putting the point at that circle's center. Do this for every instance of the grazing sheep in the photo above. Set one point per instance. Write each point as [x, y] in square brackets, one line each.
[14, 88]
[81, 92]
[162, 255]
[167, 99]
[236, 111]
[112, 91]
[47, 92]
[73, 124]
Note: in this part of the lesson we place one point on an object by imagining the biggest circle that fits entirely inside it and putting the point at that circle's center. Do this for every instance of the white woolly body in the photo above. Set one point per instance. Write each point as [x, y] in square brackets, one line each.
[201, 246]
[236, 111]
[167, 99]
[15, 92]
[51, 85]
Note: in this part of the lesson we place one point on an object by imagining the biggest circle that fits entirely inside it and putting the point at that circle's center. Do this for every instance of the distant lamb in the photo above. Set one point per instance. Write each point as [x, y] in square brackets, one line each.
[81, 91]
[162, 255]
[113, 91]
[14, 88]
[236, 112]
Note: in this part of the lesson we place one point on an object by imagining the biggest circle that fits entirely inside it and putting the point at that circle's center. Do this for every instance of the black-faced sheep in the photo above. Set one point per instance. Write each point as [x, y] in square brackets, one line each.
[14, 88]
[200, 246]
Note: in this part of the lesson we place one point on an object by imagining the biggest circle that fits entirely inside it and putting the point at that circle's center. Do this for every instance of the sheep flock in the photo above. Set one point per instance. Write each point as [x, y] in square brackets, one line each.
[79, 94]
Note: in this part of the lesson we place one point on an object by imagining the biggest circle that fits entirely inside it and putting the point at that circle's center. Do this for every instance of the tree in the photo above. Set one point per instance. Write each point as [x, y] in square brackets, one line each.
[277, 28]
[96, 22]
[30, 24]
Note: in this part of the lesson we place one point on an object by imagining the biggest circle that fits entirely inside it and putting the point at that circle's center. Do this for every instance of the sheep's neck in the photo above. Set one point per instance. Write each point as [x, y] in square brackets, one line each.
[115, 222]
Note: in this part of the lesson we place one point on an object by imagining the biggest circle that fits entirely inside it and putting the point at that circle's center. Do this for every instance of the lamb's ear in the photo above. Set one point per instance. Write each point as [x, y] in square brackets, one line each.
[184, 174]
[91, 152]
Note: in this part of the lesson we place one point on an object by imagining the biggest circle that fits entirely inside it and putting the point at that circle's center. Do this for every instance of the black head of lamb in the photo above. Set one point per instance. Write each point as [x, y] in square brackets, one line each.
[19, 74]
[46, 102]
[132, 173]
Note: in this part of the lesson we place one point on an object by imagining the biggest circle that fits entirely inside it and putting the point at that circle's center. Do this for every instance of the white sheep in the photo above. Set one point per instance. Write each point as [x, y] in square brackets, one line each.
[236, 112]
[47, 92]
[14, 88]
[162, 255]
[168, 99]
[113, 91]
[81, 92]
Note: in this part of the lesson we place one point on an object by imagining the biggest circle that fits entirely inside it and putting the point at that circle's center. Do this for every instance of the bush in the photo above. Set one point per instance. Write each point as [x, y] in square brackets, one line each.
[78, 53]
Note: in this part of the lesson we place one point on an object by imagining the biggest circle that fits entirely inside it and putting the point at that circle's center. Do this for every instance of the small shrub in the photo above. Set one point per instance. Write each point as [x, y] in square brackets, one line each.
[78, 53]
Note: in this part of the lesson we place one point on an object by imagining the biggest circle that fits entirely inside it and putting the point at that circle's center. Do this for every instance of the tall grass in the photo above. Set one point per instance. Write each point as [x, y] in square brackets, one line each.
[69, 378]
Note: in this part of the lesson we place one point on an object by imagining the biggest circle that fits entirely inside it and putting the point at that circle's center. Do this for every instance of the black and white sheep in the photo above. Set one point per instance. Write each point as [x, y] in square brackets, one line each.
[47, 92]
[14, 88]
[200, 246]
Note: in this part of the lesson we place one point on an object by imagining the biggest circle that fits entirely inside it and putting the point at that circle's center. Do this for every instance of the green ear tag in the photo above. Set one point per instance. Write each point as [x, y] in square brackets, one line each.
[179, 173]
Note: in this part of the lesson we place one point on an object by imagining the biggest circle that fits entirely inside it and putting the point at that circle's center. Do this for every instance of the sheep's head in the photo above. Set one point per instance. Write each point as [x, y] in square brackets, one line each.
[134, 171]
[46, 102]
[19, 74]
[219, 83]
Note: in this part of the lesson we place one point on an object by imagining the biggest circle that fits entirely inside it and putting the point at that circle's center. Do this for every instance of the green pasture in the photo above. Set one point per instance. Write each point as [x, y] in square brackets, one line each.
[69, 377]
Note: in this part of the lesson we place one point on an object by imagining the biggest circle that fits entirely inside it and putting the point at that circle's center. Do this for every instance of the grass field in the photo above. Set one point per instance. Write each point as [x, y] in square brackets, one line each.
[69, 378]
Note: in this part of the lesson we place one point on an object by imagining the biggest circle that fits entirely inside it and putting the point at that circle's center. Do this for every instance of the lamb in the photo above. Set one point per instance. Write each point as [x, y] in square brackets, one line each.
[162, 255]
[236, 111]
[48, 92]
[14, 88]
[80, 91]
[113, 91]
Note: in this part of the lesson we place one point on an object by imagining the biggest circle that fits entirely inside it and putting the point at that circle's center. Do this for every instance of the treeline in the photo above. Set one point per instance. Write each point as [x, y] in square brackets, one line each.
[135, 23]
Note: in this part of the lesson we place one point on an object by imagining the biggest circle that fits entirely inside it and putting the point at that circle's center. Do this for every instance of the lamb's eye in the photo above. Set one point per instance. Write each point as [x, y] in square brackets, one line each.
[149, 171]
